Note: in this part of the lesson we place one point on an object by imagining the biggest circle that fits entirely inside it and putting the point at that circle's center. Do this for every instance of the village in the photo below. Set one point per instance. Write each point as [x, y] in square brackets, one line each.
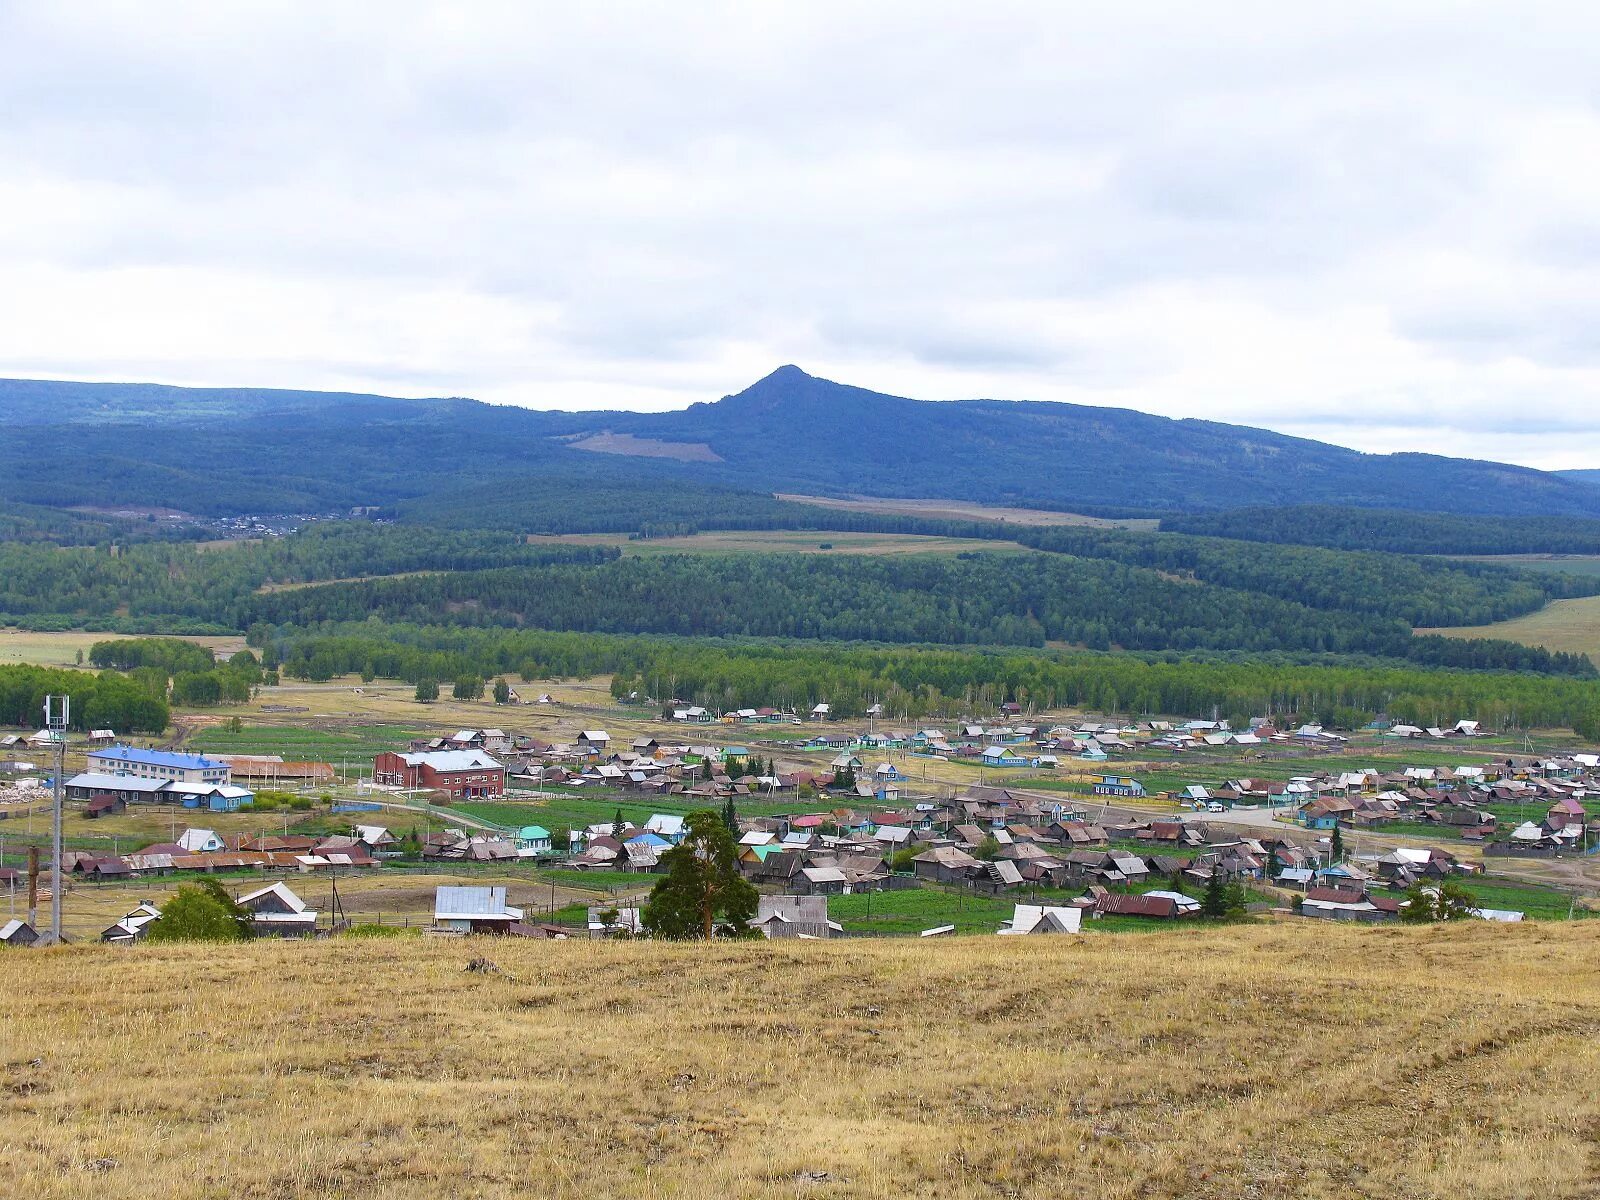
[831, 821]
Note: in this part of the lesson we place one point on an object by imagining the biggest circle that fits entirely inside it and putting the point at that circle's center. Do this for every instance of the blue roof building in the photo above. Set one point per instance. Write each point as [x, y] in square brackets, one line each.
[167, 765]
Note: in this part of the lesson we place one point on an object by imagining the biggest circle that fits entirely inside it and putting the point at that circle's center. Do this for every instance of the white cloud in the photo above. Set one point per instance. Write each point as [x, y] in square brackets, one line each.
[1369, 225]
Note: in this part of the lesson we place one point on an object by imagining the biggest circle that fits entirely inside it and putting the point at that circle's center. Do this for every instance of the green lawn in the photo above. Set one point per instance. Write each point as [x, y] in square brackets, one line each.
[598, 880]
[907, 913]
[1512, 815]
[571, 811]
[355, 744]
[1562, 564]
[1538, 903]
[913, 910]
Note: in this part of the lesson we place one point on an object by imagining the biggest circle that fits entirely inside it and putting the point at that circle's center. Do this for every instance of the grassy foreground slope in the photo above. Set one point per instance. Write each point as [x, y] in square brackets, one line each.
[1268, 1061]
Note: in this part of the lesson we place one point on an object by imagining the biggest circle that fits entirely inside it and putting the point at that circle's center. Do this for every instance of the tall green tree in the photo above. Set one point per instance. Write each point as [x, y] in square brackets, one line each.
[702, 895]
[730, 816]
[200, 912]
[1447, 901]
[502, 691]
[427, 690]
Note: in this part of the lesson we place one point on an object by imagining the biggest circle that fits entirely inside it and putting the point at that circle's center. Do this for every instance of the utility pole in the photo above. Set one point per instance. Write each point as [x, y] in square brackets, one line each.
[33, 886]
[57, 712]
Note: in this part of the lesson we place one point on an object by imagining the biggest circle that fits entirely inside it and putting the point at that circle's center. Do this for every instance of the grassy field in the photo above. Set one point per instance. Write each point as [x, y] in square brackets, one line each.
[1565, 564]
[964, 510]
[1269, 1061]
[912, 911]
[1537, 903]
[786, 541]
[563, 812]
[1571, 625]
[352, 743]
[61, 649]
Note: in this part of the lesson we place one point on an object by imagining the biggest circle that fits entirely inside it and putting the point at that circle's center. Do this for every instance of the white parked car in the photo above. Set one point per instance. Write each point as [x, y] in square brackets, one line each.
[1214, 806]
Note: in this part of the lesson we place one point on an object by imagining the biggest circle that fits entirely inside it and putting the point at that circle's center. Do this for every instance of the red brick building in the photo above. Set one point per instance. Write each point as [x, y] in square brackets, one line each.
[462, 774]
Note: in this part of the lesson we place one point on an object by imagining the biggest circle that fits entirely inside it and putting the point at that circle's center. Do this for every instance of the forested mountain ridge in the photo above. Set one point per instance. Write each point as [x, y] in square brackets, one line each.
[219, 450]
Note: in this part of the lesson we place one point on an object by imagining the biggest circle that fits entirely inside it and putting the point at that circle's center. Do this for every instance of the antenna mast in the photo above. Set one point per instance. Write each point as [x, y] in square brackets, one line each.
[57, 712]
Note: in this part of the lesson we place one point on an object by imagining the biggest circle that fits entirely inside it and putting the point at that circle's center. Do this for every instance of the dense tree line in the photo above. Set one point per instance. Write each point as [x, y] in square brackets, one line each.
[208, 587]
[104, 701]
[912, 682]
[979, 599]
[1394, 530]
[658, 508]
[168, 654]
[1416, 590]
[196, 677]
[1023, 600]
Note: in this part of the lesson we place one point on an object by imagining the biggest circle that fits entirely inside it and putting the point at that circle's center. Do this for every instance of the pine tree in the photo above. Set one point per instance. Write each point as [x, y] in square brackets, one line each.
[702, 893]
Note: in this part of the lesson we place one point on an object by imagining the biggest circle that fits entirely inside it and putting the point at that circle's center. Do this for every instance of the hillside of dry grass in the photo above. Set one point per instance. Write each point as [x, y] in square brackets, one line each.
[1268, 1061]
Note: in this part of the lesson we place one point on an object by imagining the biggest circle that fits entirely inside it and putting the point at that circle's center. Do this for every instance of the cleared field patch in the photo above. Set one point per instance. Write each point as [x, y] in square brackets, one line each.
[785, 541]
[268, 588]
[638, 447]
[61, 649]
[1564, 564]
[913, 910]
[351, 744]
[1570, 625]
[966, 510]
[564, 811]
[1272, 1061]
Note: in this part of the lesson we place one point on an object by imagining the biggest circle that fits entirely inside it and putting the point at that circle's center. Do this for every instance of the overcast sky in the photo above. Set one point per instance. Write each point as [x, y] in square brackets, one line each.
[1378, 225]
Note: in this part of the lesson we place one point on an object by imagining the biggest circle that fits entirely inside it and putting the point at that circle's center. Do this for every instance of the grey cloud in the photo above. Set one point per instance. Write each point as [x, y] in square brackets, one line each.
[1263, 211]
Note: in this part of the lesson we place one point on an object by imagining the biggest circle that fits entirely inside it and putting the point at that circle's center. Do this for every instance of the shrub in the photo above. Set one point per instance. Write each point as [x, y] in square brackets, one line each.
[200, 912]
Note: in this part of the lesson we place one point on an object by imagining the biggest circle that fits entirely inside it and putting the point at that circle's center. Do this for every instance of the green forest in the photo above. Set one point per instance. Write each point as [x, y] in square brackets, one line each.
[1098, 589]
[108, 700]
[184, 587]
[1394, 531]
[971, 598]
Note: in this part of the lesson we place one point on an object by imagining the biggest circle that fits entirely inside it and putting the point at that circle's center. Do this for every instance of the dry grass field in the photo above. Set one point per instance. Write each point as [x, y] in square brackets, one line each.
[1568, 564]
[785, 541]
[1270, 1061]
[61, 649]
[963, 510]
[1571, 625]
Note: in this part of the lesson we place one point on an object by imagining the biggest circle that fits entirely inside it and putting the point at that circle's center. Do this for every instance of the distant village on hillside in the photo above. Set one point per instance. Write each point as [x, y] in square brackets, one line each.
[859, 823]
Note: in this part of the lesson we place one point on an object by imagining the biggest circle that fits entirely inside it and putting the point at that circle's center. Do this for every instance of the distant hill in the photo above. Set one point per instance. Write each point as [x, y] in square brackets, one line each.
[1591, 477]
[52, 402]
[833, 437]
[219, 450]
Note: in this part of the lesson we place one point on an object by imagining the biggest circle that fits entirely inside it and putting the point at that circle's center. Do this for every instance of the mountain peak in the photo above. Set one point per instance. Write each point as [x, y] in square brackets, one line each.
[787, 383]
